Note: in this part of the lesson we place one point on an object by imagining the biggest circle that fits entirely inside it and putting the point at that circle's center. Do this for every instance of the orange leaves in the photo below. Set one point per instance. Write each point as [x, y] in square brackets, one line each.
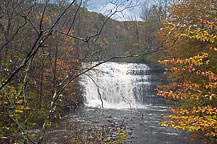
[196, 60]
[215, 49]
[169, 94]
[203, 34]
[186, 90]
[194, 119]
[191, 62]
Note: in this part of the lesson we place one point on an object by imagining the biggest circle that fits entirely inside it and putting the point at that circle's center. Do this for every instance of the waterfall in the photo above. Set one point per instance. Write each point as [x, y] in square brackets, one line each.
[116, 85]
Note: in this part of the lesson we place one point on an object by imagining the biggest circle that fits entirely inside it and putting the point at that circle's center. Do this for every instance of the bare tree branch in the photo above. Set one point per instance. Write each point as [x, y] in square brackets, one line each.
[38, 43]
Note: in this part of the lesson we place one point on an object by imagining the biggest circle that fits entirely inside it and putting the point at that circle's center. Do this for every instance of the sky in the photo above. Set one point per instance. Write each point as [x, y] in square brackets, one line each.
[107, 6]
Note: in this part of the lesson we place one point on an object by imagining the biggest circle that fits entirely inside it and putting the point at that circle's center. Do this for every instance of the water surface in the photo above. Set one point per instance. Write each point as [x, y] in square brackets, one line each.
[121, 95]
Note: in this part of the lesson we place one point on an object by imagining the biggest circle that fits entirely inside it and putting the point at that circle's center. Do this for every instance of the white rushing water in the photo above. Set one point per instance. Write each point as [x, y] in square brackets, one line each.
[118, 85]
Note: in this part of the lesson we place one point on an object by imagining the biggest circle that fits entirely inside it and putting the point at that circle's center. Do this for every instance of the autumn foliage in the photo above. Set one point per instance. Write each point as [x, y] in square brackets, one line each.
[26, 100]
[191, 64]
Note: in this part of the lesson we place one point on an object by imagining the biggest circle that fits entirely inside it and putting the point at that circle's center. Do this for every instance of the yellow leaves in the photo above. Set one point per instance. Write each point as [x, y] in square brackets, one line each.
[49, 124]
[19, 102]
[211, 96]
[205, 32]
[33, 124]
[18, 111]
[60, 116]
[200, 118]
[196, 60]
[212, 85]
[200, 34]
[28, 108]
[192, 58]
[194, 109]
[213, 134]
[56, 124]
[5, 102]
[190, 27]
[185, 61]
[20, 108]
[164, 22]
[163, 124]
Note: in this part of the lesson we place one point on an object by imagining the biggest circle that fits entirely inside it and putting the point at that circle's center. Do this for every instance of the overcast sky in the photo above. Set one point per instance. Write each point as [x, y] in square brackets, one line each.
[104, 6]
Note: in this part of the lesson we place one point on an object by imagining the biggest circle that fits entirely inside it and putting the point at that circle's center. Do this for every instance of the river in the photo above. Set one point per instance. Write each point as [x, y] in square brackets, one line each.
[116, 96]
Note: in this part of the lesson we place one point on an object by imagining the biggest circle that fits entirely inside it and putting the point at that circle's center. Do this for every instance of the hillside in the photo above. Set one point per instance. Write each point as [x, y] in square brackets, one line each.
[117, 38]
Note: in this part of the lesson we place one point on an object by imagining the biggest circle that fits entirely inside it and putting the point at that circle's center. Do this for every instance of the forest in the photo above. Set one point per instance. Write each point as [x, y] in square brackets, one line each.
[43, 44]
